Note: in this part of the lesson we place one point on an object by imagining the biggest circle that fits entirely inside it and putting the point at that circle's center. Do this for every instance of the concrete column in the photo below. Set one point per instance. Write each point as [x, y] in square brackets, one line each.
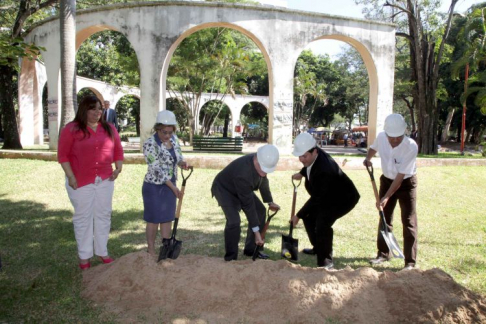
[27, 93]
[280, 111]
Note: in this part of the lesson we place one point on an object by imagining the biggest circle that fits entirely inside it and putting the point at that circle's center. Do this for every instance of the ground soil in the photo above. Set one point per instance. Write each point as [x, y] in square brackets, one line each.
[198, 289]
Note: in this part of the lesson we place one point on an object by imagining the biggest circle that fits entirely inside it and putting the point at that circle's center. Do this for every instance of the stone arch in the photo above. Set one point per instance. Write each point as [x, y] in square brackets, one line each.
[372, 76]
[231, 113]
[190, 31]
[93, 90]
[124, 122]
[259, 104]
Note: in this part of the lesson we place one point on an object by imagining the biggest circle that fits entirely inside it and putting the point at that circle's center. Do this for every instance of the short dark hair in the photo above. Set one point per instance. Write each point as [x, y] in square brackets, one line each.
[312, 149]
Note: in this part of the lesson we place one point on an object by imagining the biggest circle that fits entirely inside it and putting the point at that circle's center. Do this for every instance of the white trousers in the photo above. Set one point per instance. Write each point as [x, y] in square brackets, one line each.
[92, 217]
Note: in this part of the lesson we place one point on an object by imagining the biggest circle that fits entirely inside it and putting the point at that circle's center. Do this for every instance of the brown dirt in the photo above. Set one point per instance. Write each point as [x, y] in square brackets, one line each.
[197, 289]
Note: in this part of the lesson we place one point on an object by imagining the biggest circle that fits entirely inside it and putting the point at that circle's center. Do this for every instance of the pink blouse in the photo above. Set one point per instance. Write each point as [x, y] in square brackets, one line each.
[91, 156]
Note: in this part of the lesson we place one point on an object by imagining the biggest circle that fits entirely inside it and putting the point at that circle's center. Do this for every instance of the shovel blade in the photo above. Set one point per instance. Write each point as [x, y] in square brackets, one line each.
[174, 249]
[392, 244]
[290, 248]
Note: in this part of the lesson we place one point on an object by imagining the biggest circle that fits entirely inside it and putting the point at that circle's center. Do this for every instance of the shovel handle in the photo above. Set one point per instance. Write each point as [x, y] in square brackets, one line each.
[267, 223]
[184, 179]
[369, 168]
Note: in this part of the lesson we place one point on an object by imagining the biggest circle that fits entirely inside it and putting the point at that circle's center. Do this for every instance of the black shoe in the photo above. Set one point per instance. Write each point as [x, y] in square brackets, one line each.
[379, 260]
[260, 255]
[309, 251]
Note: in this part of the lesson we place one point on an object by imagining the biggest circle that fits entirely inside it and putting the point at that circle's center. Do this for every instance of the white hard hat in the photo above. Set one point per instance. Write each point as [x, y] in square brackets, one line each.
[302, 143]
[395, 125]
[267, 156]
[166, 117]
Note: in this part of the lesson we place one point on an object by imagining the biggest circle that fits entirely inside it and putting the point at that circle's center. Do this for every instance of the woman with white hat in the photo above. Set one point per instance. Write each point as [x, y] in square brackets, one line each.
[159, 191]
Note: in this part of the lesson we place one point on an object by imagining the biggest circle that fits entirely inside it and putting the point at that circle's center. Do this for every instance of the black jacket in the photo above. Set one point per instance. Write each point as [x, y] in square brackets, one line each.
[235, 186]
[331, 191]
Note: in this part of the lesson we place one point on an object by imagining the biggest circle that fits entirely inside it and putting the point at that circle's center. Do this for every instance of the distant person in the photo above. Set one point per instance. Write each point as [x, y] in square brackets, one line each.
[398, 183]
[110, 115]
[345, 140]
[332, 195]
[163, 155]
[88, 146]
[234, 189]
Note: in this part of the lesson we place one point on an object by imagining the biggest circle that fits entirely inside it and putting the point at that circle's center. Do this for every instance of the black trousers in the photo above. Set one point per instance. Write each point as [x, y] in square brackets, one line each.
[319, 229]
[232, 230]
[406, 196]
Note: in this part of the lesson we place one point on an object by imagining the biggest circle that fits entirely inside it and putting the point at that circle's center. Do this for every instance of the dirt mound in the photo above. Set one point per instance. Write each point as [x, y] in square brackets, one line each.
[197, 289]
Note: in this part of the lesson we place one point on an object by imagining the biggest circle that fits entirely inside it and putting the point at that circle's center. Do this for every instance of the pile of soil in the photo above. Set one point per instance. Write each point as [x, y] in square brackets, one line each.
[197, 289]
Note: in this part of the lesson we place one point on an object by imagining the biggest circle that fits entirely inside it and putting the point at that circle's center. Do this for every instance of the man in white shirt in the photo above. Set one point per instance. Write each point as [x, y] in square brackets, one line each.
[398, 155]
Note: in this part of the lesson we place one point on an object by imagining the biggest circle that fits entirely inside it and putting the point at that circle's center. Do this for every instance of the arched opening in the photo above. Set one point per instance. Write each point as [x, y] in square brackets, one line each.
[215, 62]
[106, 61]
[254, 120]
[85, 92]
[214, 119]
[128, 111]
[333, 91]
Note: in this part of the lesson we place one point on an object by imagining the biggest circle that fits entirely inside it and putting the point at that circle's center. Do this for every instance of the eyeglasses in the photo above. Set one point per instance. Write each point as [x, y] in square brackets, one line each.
[165, 132]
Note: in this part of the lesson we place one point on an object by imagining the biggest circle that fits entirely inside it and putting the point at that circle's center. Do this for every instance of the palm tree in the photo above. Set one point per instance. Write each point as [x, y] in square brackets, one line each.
[68, 60]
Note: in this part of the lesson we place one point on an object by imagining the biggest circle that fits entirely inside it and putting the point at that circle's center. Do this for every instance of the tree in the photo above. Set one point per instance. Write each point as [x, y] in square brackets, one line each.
[474, 54]
[423, 32]
[68, 61]
[14, 15]
[213, 60]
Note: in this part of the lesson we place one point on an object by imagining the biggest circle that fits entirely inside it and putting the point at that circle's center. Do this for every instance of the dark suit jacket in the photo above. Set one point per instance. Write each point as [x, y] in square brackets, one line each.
[332, 193]
[235, 186]
[111, 117]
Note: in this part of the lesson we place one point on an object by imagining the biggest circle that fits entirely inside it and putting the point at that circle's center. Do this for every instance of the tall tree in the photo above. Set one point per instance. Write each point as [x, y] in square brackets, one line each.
[423, 33]
[68, 61]
[14, 15]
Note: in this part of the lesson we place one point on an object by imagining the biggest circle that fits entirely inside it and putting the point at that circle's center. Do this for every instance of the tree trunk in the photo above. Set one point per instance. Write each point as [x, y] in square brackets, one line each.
[226, 125]
[68, 61]
[447, 126]
[11, 135]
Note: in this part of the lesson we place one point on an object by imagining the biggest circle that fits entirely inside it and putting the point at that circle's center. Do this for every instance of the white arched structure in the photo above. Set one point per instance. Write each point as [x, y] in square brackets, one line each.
[155, 29]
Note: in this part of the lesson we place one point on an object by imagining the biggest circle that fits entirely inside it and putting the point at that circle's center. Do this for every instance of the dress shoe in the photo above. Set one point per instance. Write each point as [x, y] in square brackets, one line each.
[378, 260]
[106, 259]
[309, 251]
[328, 266]
[85, 266]
[260, 255]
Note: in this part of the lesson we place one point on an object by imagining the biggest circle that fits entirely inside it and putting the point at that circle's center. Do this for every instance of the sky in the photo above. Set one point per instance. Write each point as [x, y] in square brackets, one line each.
[344, 8]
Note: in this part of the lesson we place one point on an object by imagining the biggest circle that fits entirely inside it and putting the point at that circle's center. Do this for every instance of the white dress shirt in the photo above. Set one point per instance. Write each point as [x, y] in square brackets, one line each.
[400, 159]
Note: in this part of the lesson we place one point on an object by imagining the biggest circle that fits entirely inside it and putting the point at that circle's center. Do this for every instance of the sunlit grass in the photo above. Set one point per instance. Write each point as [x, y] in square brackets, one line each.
[40, 281]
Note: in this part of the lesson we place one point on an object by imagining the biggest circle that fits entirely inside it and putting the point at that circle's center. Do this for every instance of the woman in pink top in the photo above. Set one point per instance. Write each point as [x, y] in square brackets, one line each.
[88, 146]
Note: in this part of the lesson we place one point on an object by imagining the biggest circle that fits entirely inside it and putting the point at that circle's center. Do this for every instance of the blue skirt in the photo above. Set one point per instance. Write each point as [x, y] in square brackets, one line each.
[159, 203]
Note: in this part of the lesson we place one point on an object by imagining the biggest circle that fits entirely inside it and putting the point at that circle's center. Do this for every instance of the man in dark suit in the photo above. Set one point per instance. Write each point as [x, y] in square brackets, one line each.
[110, 115]
[234, 189]
[332, 195]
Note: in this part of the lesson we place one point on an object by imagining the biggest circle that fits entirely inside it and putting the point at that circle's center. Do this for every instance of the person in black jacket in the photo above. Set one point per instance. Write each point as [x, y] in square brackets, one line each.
[234, 189]
[332, 195]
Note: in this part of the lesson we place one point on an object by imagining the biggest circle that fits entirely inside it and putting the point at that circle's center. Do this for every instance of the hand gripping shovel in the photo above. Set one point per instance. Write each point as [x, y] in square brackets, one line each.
[263, 232]
[290, 246]
[389, 238]
[172, 248]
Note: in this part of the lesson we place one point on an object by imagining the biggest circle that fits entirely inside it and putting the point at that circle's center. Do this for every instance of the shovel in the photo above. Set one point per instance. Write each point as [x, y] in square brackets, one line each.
[389, 238]
[290, 246]
[263, 232]
[172, 248]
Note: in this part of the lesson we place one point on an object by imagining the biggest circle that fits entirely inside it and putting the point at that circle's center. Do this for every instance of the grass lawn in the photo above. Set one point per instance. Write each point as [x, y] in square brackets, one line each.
[40, 281]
